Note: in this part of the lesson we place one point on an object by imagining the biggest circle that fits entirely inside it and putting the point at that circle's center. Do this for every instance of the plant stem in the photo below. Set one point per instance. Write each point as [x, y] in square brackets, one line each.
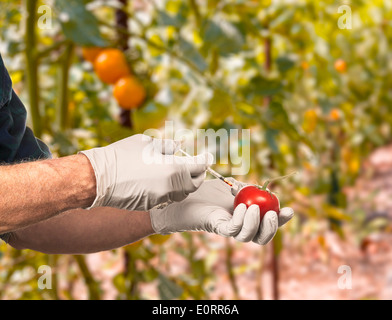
[229, 266]
[268, 181]
[131, 276]
[267, 65]
[52, 262]
[92, 285]
[122, 22]
[196, 12]
[335, 189]
[63, 76]
[259, 273]
[275, 271]
[32, 66]
[44, 53]
[267, 102]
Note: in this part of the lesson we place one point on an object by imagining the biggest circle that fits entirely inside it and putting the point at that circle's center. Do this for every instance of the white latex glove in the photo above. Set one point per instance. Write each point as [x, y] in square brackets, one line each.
[139, 172]
[210, 209]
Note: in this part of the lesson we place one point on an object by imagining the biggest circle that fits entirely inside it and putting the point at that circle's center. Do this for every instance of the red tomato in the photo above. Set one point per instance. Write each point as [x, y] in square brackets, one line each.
[253, 195]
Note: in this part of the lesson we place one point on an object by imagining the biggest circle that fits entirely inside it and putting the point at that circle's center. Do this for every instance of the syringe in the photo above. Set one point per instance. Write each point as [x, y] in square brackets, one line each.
[213, 172]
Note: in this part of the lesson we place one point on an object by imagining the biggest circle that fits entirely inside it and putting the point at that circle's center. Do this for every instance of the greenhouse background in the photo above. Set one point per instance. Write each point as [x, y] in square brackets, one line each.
[312, 82]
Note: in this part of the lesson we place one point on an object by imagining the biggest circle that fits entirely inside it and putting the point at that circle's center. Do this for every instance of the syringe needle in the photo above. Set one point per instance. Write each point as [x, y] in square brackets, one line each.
[219, 176]
[213, 172]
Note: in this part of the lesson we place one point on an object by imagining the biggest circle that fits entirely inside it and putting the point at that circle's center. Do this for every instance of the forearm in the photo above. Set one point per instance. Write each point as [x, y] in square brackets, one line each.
[35, 191]
[84, 231]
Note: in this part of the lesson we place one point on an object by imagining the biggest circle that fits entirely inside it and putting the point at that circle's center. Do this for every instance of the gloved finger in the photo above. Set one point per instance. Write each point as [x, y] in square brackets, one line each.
[285, 214]
[251, 224]
[267, 229]
[166, 146]
[198, 164]
[186, 182]
[237, 185]
[197, 181]
[232, 226]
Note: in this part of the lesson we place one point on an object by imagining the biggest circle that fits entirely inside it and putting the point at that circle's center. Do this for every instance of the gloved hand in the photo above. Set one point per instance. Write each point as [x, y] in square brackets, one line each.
[139, 172]
[210, 209]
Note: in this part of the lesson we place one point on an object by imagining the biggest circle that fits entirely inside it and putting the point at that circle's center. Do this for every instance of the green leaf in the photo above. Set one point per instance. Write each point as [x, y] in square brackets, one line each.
[189, 52]
[119, 282]
[220, 107]
[168, 289]
[284, 64]
[223, 36]
[277, 118]
[78, 24]
[150, 116]
[14, 47]
[335, 213]
[283, 18]
[113, 131]
[278, 242]
[270, 136]
[262, 86]
[149, 274]
[245, 108]
[165, 19]
[63, 142]
[214, 62]
[199, 269]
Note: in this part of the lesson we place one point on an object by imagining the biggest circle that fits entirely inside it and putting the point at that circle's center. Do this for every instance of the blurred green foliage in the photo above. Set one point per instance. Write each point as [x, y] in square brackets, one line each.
[263, 65]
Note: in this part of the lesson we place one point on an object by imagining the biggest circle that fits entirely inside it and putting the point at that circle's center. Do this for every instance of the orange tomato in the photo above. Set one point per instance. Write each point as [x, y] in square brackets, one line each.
[310, 121]
[304, 65]
[129, 93]
[91, 53]
[340, 65]
[352, 160]
[334, 114]
[110, 65]
[354, 165]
